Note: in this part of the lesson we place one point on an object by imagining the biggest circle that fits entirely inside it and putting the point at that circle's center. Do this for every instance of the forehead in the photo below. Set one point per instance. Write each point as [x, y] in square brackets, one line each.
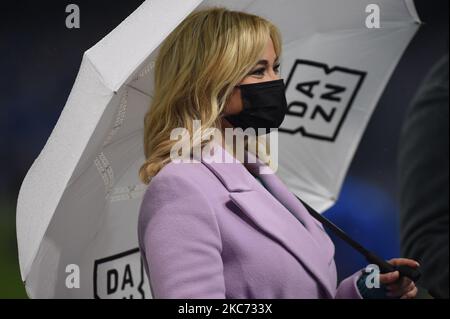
[269, 51]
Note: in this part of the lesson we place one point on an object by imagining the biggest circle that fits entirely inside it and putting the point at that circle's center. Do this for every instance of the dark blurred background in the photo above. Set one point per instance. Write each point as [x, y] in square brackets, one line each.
[40, 59]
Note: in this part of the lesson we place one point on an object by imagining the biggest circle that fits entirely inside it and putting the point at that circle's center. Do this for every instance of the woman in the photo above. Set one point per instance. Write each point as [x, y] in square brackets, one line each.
[222, 227]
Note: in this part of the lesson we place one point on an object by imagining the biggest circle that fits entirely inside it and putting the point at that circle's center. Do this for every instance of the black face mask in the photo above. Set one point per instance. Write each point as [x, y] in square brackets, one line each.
[264, 107]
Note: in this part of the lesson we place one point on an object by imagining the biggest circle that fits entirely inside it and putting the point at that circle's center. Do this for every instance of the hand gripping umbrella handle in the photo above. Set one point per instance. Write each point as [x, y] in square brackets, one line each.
[405, 271]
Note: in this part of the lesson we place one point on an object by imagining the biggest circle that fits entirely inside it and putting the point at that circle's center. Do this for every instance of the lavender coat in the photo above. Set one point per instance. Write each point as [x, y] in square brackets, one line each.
[211, 230]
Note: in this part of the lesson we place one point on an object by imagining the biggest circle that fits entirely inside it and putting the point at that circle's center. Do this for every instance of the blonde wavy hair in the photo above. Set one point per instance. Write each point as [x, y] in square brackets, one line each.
[196, 70]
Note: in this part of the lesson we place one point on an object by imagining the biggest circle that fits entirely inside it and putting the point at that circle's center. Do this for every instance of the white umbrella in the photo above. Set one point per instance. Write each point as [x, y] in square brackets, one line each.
[78, 205]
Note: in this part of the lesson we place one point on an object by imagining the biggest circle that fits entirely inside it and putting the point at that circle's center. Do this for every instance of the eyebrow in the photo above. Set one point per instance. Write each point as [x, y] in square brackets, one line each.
[265, 62]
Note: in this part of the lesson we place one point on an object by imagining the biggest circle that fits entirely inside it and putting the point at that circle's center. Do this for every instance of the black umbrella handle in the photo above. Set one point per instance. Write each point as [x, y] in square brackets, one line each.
[405, 271]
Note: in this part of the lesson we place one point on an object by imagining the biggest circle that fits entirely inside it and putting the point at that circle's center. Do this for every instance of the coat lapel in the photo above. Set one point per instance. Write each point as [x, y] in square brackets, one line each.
[265, 210]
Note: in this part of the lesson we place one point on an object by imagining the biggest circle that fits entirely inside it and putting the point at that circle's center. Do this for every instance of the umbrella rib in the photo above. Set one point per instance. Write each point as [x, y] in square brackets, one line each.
[138, 90]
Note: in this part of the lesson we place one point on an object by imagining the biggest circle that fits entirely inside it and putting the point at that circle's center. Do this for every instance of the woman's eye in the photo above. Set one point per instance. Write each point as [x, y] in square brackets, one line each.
[259, 71]
[276, 68]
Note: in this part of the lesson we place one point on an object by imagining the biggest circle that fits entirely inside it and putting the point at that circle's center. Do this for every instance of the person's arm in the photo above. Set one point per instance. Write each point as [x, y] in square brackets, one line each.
[391, 285]
[182, 241]
[424, 180]
[348, 288]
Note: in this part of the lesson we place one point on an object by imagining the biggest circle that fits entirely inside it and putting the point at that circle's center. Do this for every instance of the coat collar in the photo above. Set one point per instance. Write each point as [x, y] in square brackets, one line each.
[264, 211]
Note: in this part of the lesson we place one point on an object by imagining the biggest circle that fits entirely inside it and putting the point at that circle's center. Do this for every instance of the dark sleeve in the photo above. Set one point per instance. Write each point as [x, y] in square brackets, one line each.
[371, 293]
[423, 181]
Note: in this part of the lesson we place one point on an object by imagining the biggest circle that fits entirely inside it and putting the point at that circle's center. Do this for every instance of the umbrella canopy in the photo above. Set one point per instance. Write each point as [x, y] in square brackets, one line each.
[78, 205]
